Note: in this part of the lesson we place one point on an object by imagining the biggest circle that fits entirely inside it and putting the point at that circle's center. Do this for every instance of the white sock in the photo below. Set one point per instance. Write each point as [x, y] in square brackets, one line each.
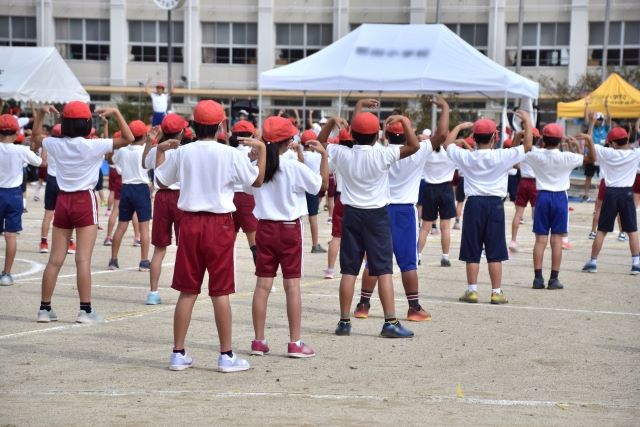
[445, 256]
[594, 261]
[299, 342]
[24, 202]
[472, 288]
[154, 292]
[565, 239]
[636, 259]
[496, 291]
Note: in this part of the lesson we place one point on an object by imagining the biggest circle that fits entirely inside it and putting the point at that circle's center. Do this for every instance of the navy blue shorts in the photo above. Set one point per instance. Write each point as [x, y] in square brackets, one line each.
[100, 185]
[483, 226]
[512, 186]
[551, 213]
[404, 234]
[11, 210]
[157, 118]
[618, 200]
[135, 198]
[438, 201]
[313, 204]
[460, 196]
[366, 230]
[421, 190]
[51, 193]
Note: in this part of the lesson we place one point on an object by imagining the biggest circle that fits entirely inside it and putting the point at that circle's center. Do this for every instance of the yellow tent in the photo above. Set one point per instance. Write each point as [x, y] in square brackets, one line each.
[624, 100]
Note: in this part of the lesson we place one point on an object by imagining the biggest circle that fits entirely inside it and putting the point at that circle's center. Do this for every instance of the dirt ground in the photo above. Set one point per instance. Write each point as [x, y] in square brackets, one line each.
[566, 357]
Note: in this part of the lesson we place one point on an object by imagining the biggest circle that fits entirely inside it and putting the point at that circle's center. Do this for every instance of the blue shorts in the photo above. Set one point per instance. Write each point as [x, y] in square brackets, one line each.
[438, 201]
[366, 230]
[51, 193]
[512, 186]
[404, 234]
[423, 187]
[157, 118]
[11, 210]
[483, 226]
[135, 198]
[551, 213]
[618, 200]
[313, 204]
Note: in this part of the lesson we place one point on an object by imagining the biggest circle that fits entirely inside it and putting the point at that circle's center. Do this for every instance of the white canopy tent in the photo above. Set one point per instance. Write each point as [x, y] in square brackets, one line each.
[38, 74]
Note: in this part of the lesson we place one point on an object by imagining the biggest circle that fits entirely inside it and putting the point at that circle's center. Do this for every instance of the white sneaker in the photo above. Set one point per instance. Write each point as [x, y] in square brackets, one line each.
[179, 362]
[93, 317]
[232, 364]
[513, 246]
[6, 279]
[328, 273]
[622, 237]
[46, 316]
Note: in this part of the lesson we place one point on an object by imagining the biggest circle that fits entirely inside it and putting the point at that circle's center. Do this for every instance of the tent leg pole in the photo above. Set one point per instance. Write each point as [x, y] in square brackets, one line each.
[339, 103]
[259, 108]
[304, 110]
[379, 103]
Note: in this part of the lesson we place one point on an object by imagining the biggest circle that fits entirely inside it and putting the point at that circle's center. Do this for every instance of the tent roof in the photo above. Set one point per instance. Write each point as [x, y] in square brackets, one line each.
[623, 100]
[38, 74]
[400, 58]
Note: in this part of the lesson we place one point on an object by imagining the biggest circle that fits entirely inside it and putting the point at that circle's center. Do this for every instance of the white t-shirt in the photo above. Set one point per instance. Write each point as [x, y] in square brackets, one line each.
[159, 102]
[129, 160]
[207, 172]
[364, 172]
[405, 174]
[78, 161]
[552, 168]
[619, 166]
[526, 171]
[313, 160]
[12, 157]
[438, 168]
[283, 198]
[150, 163]
[485, 171]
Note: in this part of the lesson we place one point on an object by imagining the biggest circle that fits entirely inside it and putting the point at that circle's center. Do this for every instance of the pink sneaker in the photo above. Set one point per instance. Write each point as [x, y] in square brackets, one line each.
[259, 348]
[300, 351]
[567, 246]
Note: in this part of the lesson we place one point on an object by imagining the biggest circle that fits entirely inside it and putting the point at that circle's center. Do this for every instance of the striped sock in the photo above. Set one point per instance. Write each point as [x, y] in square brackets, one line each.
[365, 296]
[413, 300]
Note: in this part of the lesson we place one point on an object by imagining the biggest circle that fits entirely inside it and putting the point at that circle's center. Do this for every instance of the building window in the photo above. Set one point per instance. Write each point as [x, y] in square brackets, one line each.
[17, 31]
[296, 41]
[229, 43]
[623, 47]
[148, 41]
[83, 39]
[543, 44]
[477, 35]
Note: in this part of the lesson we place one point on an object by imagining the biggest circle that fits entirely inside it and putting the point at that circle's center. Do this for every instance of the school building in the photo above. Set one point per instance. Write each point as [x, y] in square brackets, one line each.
[221, 46]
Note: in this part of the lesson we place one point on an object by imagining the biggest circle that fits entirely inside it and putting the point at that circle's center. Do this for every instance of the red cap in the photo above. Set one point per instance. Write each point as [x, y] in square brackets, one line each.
[307, 136]
[138, 128]
[20, 137]
[243, 126]
[76, 110]
[117, 134]
[188, 133]
[617, 133]
[536, 133]
[396, 128]
[333, 140]
[160, 84]
[173, 123]
[553, 130]
[344, 135]
[507, 143]
[276, 129]
[484, 126]
[56, 130]
[208, 112]
[365, 123]
[469, 140]
[8, 123]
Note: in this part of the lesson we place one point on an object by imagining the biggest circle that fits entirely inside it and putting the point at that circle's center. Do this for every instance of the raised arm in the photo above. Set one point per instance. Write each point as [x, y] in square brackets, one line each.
[453, 135]
[262, 157]
[587, 101]
[147, 89]
[36, 135]
[528, 129]
[591, 119]
[364, 103]
[151, 136]
[442, 130]
[412, 145]
[323, 136]
[324, 163]
[127, 137]
[607, 114]
[591, 153]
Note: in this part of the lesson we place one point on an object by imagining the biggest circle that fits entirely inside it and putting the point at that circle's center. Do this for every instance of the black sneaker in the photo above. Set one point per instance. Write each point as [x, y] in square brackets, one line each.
[343, 328]
[554, 284]
[395, 330]
[538, 283]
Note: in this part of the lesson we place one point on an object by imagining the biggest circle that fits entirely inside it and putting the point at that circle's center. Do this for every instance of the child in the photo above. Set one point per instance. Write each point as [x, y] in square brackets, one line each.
[552, 169]
[77, 161]
[12, 158]
[207, 172]
[619, 163]
[366, 226]
[312, 159]
[485, 185]
[280, 203]
[165, 203]
[134, 196]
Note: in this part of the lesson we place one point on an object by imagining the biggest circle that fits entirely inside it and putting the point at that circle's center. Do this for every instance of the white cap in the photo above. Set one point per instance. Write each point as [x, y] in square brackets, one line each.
[316, 128]
[323, 120]
[243, 112]
[599, 116]
[426, 132]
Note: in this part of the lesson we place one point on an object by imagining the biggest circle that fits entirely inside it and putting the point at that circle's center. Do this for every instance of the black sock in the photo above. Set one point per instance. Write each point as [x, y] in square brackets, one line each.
[254, 252]
[413, 300]
[538, 273]
[391, 320]
[45, 305]
[228, 353]
[365, 296]
[345, 320]
[182, 352]
[43, 240]
[86, 306]
[554, 274]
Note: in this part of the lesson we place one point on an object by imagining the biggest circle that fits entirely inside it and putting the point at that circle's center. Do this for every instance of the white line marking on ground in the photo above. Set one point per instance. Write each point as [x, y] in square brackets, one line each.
[35, 267]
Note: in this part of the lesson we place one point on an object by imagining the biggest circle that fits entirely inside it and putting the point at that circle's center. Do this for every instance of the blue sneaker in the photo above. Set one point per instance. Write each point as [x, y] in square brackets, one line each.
[590, 267]
[554, 284]
[395, 330]
[153, 298]
[180, 362]
[144, 265]
[635, 269]
[343, 328]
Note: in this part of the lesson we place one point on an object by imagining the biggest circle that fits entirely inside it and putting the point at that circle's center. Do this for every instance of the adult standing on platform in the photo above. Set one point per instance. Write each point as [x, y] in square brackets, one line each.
[159, 101]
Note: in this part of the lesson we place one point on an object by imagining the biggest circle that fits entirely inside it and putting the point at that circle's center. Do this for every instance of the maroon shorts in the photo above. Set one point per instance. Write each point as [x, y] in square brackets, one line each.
[76, 210]
[42, 173]
[115, 182]
[165, 215]
[243, 216]
[601, 189]
[336, 219]
[331, 191]
[456, 179]
[636, 184]
[206, 244]
[527, 192]
[279, 243]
